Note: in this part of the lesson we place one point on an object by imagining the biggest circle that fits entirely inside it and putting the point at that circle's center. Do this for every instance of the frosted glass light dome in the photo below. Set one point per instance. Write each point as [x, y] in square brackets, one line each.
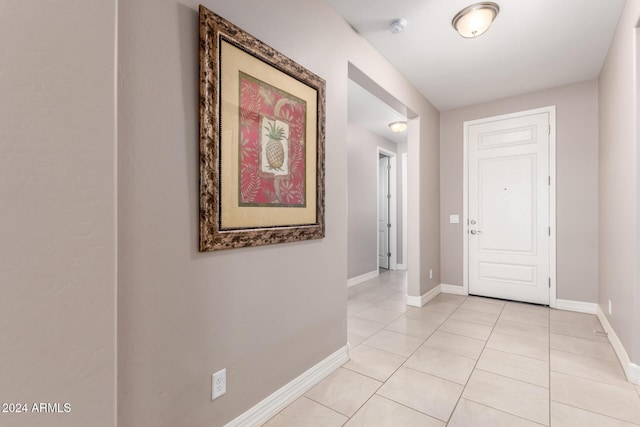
[398, 127]
[474, 20]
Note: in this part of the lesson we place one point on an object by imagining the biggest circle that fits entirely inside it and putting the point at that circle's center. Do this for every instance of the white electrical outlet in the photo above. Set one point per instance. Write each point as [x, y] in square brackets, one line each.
[218, 384]
[609, 307]
[430, 273]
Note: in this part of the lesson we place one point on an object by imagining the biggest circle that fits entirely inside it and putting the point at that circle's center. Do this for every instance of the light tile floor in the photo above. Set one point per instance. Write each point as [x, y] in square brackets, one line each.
[467, 361]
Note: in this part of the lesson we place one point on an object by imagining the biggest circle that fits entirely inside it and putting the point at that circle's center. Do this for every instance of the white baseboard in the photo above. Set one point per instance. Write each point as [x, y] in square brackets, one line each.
[282, 398]
[631, 370]
[452, 289]
[402, 266]
[362, 278]
[579, 306]
[423, 299]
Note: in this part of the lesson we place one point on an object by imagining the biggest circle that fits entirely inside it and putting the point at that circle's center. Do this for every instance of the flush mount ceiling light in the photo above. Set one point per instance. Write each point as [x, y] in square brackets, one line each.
[474, 20]
[398, 127]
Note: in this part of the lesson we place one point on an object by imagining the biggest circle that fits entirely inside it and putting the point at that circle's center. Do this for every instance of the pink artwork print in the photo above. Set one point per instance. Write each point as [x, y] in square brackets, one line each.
[272, 146]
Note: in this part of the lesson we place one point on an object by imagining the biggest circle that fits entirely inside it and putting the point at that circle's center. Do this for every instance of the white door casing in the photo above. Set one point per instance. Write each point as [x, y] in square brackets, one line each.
[405, 244]
[509, 213]
[392, 185]
[383, 212]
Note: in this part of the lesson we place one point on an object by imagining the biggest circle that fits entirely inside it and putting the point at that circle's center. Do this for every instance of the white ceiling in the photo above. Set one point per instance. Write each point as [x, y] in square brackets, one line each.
[532, 45]
[371, 113]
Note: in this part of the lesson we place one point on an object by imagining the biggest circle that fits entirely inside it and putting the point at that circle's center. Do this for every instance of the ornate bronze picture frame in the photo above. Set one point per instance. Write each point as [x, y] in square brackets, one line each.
[262, 137]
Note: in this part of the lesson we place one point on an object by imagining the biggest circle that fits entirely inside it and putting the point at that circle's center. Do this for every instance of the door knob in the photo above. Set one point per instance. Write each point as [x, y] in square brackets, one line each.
[475, 232]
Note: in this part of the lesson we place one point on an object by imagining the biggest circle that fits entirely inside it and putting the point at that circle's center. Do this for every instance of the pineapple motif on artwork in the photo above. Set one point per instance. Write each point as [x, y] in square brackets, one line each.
[271, 146]
[275, 147]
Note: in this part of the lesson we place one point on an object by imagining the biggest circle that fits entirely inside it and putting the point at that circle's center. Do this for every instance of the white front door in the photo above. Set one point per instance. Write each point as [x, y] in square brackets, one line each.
[508, 208]
[383, 213]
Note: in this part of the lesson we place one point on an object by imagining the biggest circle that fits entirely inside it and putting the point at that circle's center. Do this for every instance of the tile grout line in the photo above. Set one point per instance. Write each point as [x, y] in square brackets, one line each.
[408, 407]
[517, 354]
[599, 359]
[590, 380]
[504, 412]
[596, 413]
[576, 376]
[484, 347]
[382, 383]
[342, 367]
[475, 365]
[406, 367]
[424, 340]
[438, 329]
[509, 378]
[319, 403]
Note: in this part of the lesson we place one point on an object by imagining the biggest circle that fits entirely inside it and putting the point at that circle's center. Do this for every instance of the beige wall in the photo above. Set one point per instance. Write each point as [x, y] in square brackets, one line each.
[424, 161]
[429, 211]
[577, 184]
[57, 210]
[619, 171]
[265, 314]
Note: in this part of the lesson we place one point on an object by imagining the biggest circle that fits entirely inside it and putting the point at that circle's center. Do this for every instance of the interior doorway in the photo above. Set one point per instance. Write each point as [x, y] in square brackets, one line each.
[371, 111]
[387, 210]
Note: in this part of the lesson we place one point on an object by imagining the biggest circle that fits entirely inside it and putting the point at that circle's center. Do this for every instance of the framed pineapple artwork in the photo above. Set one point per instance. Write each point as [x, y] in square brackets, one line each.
[262, 135]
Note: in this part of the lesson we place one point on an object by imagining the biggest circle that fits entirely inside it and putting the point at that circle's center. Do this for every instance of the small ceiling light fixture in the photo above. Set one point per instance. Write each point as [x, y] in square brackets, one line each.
[398, 127]
[474, 20]
[398, 25]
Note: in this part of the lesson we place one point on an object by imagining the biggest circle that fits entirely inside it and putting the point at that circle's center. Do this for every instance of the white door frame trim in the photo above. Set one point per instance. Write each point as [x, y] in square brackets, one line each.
[404, 187]
[393, 187]
[551, 110]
